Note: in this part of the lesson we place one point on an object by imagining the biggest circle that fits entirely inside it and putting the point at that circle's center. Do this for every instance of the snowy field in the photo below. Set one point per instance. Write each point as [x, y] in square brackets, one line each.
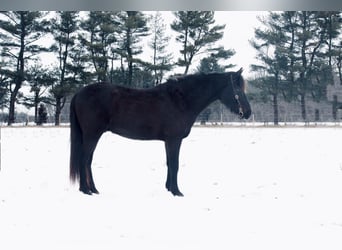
[245, 188]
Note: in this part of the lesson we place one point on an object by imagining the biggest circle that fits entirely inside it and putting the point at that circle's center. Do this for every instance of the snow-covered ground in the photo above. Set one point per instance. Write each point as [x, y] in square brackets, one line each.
[245, 188]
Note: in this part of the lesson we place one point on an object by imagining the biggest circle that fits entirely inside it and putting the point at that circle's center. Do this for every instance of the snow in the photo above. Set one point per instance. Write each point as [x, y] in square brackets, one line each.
[244, 187]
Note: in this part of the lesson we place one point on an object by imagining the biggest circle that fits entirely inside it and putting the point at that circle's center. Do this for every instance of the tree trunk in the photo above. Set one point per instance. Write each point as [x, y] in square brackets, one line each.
[130, 73]
[58, 111]
[302, 105]
[11, 114]
[334, 107]
[186, 69]
[20, 75]
[339, 68]
[275, 109]
[129, 57]
[36, 102]
[14, 93]
[36, 113]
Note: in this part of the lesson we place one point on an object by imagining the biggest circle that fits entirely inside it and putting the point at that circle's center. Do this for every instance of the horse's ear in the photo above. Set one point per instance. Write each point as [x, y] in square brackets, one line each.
[239, 71]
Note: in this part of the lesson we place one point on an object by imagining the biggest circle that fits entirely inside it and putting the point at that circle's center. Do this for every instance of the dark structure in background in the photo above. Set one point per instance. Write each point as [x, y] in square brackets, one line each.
[42, 114]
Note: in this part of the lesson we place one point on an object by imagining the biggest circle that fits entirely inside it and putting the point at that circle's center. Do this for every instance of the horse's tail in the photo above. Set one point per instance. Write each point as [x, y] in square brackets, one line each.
[75, 144]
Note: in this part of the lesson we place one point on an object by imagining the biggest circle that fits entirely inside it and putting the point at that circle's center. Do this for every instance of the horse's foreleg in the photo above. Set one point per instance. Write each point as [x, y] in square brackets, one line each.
[172, 155]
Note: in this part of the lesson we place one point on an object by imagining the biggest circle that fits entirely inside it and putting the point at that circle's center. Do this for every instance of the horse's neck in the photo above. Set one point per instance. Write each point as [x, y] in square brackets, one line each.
[203, 94]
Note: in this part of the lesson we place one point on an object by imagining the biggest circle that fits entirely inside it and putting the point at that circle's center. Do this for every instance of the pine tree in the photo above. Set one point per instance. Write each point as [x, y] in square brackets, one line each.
[40, 80]
[99, 38]
[19, 32]
[4, 82]
[312, 70]
[196, 34]
[162, 61]
[293, 51]
[338, 59]
[330, 23]
[132, 26]
[269, 43]
[64, 30]
[211, 63]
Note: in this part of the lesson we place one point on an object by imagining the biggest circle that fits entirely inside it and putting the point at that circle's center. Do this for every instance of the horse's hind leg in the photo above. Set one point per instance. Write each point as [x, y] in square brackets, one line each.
[87, 184]
[172, 153]
[83, 179]
[89, 174]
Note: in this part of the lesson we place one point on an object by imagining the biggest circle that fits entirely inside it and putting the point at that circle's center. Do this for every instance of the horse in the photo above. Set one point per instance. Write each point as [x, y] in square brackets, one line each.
[165, 112]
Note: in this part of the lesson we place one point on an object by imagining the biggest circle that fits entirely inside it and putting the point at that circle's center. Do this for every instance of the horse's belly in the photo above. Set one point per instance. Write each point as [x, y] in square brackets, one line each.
[138, 131]
[149, 124]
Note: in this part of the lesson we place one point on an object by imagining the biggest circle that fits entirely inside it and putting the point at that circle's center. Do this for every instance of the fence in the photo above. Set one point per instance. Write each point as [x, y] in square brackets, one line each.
[217, 113]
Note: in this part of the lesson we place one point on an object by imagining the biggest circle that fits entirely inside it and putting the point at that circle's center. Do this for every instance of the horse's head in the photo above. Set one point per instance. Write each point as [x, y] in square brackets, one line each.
[233, 95]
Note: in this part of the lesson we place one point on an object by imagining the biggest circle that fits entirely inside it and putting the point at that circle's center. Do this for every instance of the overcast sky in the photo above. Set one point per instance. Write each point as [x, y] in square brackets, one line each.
[239, 30]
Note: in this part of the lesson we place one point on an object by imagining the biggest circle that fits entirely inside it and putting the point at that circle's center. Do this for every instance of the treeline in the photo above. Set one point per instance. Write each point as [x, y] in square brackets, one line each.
[299, 53]
[96, 46]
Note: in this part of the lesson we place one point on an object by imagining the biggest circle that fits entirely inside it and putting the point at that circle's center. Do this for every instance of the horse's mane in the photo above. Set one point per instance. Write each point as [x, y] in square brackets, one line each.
[186, 81]
[181, 78]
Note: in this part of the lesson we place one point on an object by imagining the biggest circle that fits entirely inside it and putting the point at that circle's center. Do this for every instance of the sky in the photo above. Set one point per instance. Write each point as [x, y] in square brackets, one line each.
[239, 30]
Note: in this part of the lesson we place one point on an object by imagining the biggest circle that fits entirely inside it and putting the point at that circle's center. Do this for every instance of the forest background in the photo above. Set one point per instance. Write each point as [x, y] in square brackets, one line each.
[47, 56]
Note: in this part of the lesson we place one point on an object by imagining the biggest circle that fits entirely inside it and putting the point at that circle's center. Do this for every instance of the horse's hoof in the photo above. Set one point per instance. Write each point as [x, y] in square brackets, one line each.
[86, 191]
[177, 193]
[94, 191]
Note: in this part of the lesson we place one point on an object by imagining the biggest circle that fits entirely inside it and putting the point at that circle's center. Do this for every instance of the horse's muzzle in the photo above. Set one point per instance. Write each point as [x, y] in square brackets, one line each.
[245, 114]
[241, 114]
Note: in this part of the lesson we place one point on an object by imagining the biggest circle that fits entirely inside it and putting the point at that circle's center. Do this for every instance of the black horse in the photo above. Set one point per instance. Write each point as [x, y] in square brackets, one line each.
[165, 112]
